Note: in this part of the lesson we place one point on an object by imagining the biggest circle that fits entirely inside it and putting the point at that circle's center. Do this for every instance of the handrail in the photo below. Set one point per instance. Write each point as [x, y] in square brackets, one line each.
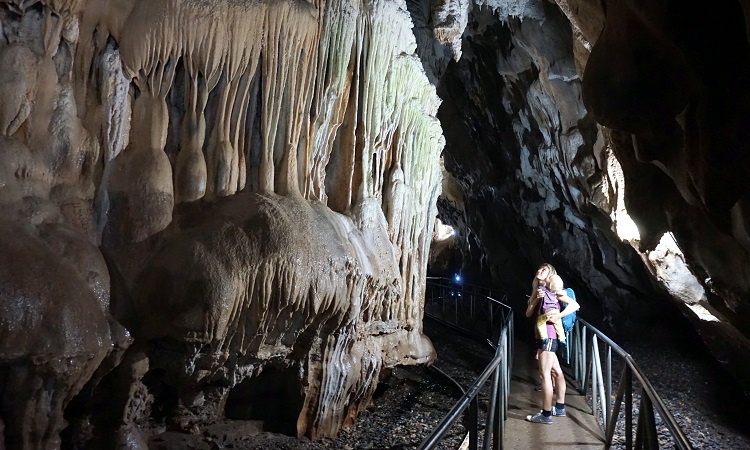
[480, 311]
[646, 435]
[470, 308]
[465, 307]
[466, 287]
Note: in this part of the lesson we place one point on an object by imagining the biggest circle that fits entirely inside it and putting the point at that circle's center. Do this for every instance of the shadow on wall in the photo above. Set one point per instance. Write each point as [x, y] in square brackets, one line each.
[273, 397]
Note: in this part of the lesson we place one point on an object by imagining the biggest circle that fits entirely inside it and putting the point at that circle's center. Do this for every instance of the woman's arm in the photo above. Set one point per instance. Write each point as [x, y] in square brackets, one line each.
[531, 306]
[555, 283]
[571, 306]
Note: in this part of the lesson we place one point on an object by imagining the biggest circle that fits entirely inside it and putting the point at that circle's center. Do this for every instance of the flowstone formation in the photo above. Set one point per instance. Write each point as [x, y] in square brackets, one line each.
[203, 201]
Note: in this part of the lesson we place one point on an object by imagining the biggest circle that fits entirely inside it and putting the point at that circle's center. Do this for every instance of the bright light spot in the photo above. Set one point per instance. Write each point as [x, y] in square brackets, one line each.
[625, 228]
[613, 189]
[669, 243]
[457, 278]
[670, 267]
[702, 313]
[443, 232]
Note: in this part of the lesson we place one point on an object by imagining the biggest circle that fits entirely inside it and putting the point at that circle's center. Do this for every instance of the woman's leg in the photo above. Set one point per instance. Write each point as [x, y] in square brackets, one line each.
[546, 363]
[559, 379]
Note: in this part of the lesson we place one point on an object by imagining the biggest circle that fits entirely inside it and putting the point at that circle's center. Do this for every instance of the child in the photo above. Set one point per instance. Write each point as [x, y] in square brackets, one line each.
[550, 305]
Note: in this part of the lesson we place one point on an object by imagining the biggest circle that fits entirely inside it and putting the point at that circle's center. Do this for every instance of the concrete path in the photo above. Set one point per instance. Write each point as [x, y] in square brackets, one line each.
[579, 430]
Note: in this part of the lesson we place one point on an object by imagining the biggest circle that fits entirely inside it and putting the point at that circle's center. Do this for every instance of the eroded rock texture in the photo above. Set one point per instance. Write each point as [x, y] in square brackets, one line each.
[261, 179]
[682, 132]
[55, 303]
[612, 145]
[546, 186]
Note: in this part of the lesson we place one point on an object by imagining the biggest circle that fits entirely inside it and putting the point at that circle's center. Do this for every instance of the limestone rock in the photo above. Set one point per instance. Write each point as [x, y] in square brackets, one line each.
[53, 331]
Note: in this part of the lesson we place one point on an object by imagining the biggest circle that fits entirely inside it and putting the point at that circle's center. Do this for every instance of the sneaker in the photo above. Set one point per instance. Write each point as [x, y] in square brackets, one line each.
[559, 412]
[539, 418]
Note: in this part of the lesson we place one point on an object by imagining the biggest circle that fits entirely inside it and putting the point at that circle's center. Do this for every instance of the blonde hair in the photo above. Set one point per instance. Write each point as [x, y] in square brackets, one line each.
[555, 282]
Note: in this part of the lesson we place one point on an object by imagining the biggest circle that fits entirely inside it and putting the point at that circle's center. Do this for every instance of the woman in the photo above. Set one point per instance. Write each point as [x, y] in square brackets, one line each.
[548, 283]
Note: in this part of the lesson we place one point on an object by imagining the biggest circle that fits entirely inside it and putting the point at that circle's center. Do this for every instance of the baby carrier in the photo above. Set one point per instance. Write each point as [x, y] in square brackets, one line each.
[567, 323]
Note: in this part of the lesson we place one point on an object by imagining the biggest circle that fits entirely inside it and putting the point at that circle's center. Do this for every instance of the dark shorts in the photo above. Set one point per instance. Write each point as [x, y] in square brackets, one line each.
[548, 345]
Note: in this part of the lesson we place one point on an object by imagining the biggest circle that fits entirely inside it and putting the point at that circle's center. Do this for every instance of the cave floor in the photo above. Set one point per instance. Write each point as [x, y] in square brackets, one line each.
[579, 429]
[698, 394]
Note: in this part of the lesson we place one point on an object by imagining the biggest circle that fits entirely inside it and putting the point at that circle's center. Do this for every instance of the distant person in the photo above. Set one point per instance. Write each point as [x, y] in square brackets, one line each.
[547, 281]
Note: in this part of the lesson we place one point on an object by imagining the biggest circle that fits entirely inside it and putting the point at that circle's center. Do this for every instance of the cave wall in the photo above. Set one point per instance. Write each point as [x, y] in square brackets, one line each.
[536, 177]
[217, 188]
[605, 138]
[679, 121]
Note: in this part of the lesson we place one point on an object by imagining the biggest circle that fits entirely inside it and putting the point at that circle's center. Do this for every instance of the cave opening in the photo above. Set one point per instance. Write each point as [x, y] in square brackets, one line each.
[273, 397]
[445, 257]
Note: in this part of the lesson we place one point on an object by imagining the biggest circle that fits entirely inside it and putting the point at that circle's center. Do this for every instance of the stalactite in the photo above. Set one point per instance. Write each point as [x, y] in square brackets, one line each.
[333, 83]
[143, 171]
[244, 28]
[288, 48]
[190, 168]
[202, 58]
[292, 103]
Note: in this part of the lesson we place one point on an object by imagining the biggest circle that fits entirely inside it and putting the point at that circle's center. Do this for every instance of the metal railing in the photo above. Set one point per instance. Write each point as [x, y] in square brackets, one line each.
[586, 363]
[472, 310]
[469, 309]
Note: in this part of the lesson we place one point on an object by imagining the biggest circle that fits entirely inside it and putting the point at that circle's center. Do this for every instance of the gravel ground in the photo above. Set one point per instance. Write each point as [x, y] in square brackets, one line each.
[406, 407]
[705, 401]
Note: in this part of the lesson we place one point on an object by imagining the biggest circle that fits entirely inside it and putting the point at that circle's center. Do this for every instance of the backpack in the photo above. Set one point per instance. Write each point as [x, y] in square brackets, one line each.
[570, 320]
[567, 323]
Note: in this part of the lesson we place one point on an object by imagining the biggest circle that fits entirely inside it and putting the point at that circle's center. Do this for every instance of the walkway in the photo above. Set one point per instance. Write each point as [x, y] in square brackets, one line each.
[578, 430]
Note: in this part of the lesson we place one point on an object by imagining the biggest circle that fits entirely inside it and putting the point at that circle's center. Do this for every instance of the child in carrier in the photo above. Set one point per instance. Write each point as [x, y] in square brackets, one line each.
[550, 305]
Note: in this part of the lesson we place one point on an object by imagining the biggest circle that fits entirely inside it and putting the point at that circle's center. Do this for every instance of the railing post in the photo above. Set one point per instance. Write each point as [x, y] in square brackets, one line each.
[577, 354]
[499, 434]
[472, 306]
[647, 408]
[455, 308]
[612, 422]
[608, 386]
[442, 305]
[474, 424]
[491, 315]
[489, 426]
[585, 349]
[600, 382]
[628, 382]
[509, 336]
[594, 375]
[581, 355]
[506, 336]
[639, 429]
